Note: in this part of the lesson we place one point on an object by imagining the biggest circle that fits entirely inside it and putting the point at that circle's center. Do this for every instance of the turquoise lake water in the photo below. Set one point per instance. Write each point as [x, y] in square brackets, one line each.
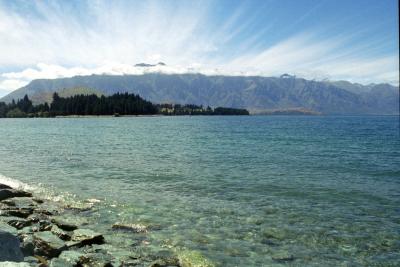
[240, 190]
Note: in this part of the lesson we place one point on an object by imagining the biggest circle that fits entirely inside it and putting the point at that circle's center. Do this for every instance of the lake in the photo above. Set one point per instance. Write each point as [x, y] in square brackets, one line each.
[241, 190]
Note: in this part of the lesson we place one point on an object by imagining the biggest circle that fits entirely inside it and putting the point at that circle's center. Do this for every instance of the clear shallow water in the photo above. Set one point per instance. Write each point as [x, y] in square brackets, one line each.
[238, 189]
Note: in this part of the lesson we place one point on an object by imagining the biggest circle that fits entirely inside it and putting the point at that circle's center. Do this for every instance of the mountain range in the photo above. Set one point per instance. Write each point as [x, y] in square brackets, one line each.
[255, 93]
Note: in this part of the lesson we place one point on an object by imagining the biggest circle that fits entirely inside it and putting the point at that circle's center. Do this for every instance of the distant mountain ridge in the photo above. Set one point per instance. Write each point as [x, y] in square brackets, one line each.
[255, 93]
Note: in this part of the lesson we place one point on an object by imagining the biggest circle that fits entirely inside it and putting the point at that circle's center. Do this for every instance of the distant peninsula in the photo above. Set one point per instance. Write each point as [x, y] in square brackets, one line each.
[115, 105]
[288, 111]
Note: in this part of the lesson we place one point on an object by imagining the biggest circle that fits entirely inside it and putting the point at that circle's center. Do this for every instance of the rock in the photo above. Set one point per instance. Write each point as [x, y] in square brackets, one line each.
[4, 186]
[19, 223]
[32, 260]
[15, 222]
[20, 202]
[96, 260]
[136, 228]
[10, 193]
[67, 223]
[27, 246]
[17, 212]
[35, 218]
[9, 248]
[165, 258]
[38, 200]
[14, 264]
[60, 233]
[193, 259]
[71, 257]
[83, 237]
[48, 245]
[42, 221]
[282, 256]
[274, 233]
[21, 213]
[8, 228]
[79, 206]
[120, 255]
[49, 208]
[29, 230]
[57, 262]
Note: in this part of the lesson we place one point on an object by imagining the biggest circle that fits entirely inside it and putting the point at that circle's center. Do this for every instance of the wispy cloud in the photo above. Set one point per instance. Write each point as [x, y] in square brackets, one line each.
[51, 39]
[307, 56]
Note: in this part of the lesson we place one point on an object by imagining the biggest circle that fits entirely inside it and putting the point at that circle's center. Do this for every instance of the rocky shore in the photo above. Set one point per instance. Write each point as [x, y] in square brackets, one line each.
[40, 232]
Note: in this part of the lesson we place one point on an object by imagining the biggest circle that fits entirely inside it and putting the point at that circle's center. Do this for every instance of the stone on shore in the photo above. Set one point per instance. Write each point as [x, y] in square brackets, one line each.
[60, 233]
[19, 223]
[4, 186]
[8, 228]
[10, 193]
[69, 223]
[20, 202]
[71, 257]
[27, 246]
[83, 237]
[9, 248]
[57, 262]
[20, 207]
[47, 244]
[21, 213]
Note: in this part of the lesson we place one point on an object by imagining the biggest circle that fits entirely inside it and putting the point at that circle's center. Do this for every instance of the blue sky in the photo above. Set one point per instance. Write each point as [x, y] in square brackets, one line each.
[316, 39]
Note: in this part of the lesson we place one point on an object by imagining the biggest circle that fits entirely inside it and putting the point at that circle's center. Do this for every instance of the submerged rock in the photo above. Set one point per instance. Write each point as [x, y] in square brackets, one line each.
[274, 233]
[80, 206]
[165, 258]
[193, 259]
[47, 244]
[10, 193]
[83, 237]
[9, 248]
[136, 228]
[282, 256]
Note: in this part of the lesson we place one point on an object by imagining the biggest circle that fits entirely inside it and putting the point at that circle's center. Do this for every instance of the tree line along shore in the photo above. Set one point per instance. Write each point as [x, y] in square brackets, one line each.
[114, 105]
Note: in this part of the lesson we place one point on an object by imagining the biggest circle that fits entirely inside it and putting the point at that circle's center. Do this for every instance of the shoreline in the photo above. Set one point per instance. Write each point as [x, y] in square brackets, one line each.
[39, 232]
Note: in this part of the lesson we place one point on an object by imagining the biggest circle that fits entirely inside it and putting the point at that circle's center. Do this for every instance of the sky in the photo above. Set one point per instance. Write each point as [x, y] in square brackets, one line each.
[353, 40]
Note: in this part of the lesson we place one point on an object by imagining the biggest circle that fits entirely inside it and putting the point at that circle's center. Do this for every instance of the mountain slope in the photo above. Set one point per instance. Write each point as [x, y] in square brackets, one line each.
[254, 93]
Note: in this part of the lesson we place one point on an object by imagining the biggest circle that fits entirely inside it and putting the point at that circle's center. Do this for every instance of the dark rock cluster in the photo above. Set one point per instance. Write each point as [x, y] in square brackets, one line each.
[35, 233]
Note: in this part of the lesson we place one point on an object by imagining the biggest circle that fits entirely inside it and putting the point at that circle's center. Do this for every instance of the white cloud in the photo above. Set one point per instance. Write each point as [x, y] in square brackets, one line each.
[11, 84]
[111, 37]
[306, 56]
